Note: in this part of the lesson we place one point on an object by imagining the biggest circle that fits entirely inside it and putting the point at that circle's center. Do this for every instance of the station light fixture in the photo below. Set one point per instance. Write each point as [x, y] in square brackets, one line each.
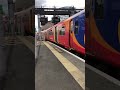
[43, 20]
[55, 19]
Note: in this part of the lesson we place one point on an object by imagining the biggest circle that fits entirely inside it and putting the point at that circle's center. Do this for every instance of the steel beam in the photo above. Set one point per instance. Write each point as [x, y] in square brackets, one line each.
[54, 11]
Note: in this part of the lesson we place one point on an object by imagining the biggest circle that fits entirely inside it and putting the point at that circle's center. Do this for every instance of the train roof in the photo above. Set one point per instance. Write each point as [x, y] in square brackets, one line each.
[75, 15]
[81, 12]
[54, 25]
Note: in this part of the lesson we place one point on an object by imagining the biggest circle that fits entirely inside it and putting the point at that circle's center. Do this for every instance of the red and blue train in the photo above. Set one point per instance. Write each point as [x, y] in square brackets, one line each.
[69, 33]
[93, 32]
[103, 30]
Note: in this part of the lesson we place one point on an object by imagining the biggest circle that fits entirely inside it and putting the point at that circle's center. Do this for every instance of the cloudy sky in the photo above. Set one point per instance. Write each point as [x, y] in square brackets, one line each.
[57, 3]
[80, 4]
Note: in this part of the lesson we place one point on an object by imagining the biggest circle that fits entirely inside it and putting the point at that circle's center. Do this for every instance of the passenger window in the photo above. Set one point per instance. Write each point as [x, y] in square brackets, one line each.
[71, 26]
[99, 9]
[76, 27]
[62, 31]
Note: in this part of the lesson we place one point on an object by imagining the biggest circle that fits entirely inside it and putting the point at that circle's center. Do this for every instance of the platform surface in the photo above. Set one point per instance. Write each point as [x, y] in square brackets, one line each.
[19, 65]
[50, 74]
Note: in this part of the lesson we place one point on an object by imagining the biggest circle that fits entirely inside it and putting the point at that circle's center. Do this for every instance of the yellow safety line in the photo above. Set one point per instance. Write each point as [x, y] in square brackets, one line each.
[27, 43]
[72, 69]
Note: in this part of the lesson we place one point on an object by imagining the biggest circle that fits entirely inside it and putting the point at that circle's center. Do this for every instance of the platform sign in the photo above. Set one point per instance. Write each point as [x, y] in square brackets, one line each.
[43, 20]
[55, 19]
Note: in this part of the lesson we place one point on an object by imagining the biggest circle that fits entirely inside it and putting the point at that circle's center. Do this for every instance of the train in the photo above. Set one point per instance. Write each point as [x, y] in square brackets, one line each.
[93, 32]
[103, 31]
[24, 21]
[69, 33]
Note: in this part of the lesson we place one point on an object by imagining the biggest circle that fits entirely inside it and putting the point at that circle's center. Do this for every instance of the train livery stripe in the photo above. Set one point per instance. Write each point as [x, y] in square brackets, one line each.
[96, 34]
[84, 38]
[76, 42]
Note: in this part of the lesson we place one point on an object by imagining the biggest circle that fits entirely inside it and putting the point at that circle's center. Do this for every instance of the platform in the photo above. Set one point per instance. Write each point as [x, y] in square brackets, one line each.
[100, 80]
[19, 60]
[52, 64]
[51, 74]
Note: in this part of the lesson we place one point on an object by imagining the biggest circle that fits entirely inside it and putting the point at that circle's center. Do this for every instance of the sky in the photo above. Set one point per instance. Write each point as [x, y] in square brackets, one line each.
[80, 4]
[36, 22]
[50, 3]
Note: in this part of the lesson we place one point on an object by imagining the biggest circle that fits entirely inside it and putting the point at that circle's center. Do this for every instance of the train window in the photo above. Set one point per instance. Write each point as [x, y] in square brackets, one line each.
[76, 27]
[99, 9]
[71, 26]
[62, 31]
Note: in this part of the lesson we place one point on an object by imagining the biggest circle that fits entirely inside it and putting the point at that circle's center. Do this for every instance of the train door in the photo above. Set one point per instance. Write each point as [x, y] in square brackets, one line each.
[115, 26]
[71, 34]
[100, 20]
[88, 45]
[74, 33]
[56, 36]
